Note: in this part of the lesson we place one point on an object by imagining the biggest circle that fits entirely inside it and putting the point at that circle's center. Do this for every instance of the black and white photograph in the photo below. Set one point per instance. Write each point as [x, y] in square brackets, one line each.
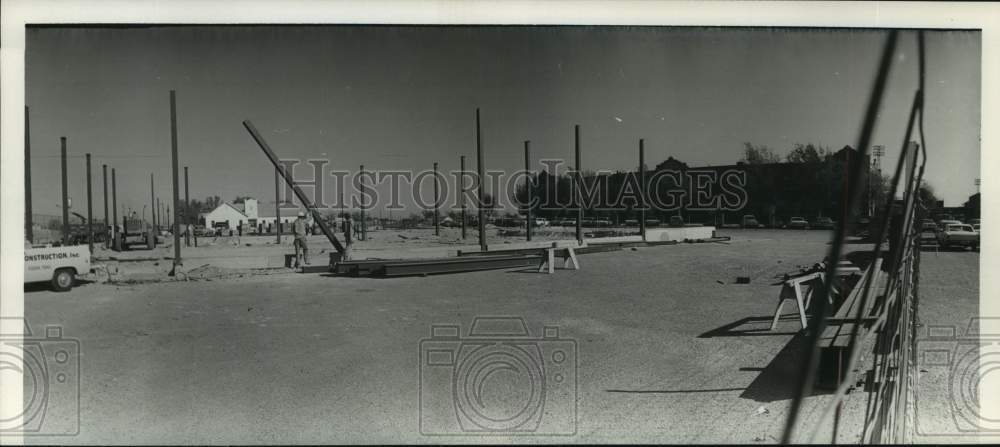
[498, 223]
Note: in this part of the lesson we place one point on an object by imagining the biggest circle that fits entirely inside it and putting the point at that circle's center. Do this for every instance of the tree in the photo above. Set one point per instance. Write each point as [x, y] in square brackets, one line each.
[808, 153]
[211, 203]
[761, 154]
[926, 195]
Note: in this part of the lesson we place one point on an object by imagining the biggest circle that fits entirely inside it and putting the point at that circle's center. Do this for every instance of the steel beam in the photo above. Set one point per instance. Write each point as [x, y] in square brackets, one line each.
[295, 187]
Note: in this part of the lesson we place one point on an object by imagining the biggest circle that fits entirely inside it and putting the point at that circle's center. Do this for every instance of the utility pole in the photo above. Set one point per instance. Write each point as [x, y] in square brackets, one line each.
[176, 189]
[65, 193]
[437, 229]
[479, 185]
[527, 187]
[29, 232]
[90, 209]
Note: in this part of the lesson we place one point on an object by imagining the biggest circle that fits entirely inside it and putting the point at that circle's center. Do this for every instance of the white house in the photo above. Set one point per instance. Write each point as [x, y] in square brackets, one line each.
[227, 215]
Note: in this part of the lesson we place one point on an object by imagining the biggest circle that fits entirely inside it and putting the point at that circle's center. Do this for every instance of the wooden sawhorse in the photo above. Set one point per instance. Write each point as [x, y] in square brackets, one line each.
[799, 289]
[567, 253]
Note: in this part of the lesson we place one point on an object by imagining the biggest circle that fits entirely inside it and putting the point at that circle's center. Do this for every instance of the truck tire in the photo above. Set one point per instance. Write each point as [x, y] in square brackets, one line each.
[63, 279]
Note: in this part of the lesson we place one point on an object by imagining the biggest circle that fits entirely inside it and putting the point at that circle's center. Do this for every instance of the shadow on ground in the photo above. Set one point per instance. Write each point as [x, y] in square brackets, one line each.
[778, 380]
[47, 287]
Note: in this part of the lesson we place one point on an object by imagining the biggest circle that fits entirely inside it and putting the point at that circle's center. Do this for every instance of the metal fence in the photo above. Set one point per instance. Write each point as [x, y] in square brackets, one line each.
[883, 335]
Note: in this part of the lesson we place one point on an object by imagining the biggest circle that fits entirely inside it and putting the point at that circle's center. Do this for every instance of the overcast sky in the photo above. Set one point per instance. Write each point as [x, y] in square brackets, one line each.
[405, 97]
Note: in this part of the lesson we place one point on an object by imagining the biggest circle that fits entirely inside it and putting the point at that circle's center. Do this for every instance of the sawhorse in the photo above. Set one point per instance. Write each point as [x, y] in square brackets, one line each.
[799, 289]
[567, 253]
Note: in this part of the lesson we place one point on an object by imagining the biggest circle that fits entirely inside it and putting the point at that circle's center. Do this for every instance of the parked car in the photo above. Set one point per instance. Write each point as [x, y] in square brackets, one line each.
[749, 221]
[824, 223]
[676, 221]
[541, 222]
[974, 221]
[958, 235]
[57, 265]
[945, 222]
[797, 223]
[975, 227]
[927, 224]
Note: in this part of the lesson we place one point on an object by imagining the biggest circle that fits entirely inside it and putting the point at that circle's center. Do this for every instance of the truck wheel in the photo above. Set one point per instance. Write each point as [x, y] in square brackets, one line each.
[63, 280]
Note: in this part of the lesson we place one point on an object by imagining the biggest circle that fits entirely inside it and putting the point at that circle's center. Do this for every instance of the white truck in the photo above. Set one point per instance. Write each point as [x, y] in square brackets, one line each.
[58, 265]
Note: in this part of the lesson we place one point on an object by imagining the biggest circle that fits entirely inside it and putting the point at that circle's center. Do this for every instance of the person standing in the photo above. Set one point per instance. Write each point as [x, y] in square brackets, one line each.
[300, 230]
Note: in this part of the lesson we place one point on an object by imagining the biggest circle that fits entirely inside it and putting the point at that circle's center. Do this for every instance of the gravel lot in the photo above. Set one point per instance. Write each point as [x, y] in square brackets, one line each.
[293, 358]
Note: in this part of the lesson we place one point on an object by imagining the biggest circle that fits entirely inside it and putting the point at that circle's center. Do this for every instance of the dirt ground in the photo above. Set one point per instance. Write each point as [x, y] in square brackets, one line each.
[668, 349]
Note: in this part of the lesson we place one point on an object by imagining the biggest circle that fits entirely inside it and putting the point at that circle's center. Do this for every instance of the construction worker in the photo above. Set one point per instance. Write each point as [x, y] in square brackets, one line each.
[300, 230]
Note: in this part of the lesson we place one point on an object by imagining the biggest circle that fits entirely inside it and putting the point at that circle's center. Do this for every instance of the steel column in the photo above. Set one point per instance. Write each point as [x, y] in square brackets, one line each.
[479, 185]
[579, 186]
[364, 222]
[437, 229]
[527, 186]
[114, 209]
[177, 189]
[90, 209]
[461, 195]
[642, 188]
[29, 232]
[277, 207]
[107, 240]
[65, 193]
